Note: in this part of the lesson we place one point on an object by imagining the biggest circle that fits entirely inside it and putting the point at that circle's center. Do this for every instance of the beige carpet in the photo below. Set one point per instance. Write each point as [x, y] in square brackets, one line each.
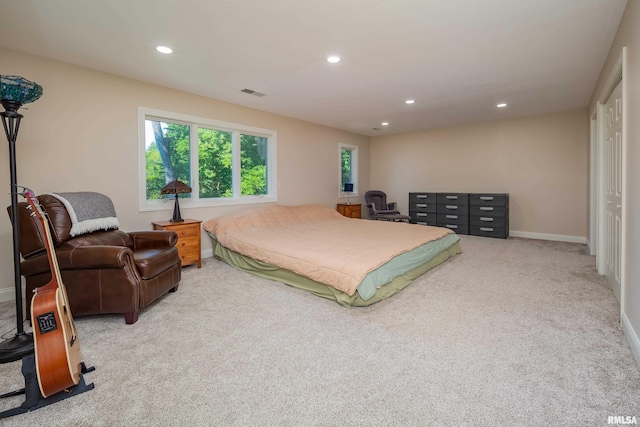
[509, 333]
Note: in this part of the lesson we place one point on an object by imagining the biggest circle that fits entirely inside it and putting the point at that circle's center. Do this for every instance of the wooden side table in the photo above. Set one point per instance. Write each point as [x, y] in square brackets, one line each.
[350, 211]
[189, 245]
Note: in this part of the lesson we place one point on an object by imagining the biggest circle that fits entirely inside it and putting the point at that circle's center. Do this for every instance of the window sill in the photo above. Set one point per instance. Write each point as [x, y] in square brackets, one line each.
[168, 204]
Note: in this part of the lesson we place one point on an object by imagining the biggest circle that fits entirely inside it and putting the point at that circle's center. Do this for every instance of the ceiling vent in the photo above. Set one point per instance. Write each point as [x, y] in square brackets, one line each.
[376, 129]
[253, 92]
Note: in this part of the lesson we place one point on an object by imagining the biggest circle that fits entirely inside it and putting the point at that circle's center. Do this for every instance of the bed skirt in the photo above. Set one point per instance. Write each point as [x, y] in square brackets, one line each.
[290, 278]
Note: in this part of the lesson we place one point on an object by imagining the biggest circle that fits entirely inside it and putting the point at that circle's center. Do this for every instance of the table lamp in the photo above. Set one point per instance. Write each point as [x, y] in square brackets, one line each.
[176, 187]
[348, 188]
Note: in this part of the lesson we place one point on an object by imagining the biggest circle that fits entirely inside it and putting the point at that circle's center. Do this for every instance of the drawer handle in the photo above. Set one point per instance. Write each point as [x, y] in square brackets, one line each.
[486, 219]
[452, 197]
[421, 214]
[486, 229]
[452, 216]
[451, 207]
[486, 208]
[486, 197]
[451, 226]
[421, 196]
[421, 205]
[421, 223]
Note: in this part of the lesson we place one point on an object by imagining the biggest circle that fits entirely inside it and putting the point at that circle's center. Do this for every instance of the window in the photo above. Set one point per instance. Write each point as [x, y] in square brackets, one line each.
[348, 168]
[223, 163]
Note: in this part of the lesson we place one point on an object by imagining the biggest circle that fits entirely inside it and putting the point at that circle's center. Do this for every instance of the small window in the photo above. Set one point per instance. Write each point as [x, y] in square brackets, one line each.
[223, 163]
[348, 169]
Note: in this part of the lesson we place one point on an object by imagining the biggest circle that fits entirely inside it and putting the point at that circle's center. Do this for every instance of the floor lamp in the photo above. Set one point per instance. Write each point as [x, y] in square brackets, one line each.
[14, 92]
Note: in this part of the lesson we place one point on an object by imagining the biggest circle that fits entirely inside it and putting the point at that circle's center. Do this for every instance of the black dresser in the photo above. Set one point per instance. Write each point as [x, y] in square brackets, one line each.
[479, 214]
[489, 215]
[422, 208]
[452, 211]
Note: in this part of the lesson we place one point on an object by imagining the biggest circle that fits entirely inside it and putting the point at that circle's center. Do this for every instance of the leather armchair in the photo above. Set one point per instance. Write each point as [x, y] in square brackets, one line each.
[104, 271]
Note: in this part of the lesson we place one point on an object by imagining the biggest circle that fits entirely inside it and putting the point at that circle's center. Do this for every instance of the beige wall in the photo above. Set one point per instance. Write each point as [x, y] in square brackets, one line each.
[628, 35]
[540, 161]
[82, 135]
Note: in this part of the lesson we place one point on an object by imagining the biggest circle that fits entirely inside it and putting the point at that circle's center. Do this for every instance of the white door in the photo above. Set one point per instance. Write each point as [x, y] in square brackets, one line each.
[613, 189]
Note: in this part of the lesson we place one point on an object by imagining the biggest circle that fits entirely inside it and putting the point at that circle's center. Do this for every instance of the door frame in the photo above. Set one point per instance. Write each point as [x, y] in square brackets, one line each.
[594, 194]
[597, 204]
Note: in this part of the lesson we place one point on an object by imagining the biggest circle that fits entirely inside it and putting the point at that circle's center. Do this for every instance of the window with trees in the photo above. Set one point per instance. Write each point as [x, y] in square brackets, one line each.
[348, 168]
[223, 163]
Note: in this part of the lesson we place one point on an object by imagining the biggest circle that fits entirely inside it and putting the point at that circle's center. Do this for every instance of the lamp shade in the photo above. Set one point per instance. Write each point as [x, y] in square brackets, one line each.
[18, 90]
[348, 188]
[176, 187]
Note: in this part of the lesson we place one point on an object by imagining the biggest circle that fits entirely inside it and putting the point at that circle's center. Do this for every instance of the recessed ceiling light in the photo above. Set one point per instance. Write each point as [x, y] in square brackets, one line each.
[409, 101]
[385, 123]
[501, 105]
[164, 49]
[333, 59]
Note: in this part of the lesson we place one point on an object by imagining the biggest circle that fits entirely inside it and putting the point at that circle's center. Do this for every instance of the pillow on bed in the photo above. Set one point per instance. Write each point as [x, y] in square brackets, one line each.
[270, 216]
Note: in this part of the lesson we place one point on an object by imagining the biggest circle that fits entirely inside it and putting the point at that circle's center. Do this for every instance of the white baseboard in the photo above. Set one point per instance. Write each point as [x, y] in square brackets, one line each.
[7, 294]
[592, 248]
[632, 337]
[208, 253]
[544, 236]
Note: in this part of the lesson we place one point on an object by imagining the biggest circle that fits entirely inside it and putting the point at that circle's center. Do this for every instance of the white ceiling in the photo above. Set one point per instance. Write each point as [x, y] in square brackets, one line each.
[456, 58]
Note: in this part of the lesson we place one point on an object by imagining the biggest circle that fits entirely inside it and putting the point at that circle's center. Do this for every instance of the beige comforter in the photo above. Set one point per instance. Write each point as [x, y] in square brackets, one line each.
[318, 242]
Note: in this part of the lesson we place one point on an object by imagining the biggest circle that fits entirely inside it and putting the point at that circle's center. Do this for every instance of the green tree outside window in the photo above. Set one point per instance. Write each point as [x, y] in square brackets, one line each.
[168, 158]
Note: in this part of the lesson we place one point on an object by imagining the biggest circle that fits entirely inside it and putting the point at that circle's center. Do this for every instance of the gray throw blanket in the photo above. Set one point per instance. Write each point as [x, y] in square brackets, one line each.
[89, 211]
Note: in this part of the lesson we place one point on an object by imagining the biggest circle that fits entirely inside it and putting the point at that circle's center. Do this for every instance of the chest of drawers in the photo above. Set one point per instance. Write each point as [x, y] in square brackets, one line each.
[350, 211]
[489, 215]
[189, 244]
[479, 214]
[453, 211]
[422, 208]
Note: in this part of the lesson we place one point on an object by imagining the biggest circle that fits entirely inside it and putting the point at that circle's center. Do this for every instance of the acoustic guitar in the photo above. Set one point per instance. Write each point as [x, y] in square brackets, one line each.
[57, 350]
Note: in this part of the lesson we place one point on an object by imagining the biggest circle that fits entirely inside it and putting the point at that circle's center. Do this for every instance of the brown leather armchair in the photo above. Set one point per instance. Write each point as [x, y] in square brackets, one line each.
[104, 271]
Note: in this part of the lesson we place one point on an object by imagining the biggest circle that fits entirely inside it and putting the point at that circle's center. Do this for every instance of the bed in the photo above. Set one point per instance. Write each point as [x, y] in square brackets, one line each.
[351, 261]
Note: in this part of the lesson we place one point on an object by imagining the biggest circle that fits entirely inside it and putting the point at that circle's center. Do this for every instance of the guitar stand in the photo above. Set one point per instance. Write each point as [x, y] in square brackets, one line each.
[34, 399]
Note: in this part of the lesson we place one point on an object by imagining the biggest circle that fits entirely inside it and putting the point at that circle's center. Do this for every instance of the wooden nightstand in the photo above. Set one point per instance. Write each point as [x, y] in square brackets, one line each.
[188, 239]
[351, 211]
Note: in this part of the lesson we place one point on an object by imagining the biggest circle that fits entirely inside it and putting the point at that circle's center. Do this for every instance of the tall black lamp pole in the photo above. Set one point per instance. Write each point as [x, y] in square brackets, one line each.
[15, 91]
